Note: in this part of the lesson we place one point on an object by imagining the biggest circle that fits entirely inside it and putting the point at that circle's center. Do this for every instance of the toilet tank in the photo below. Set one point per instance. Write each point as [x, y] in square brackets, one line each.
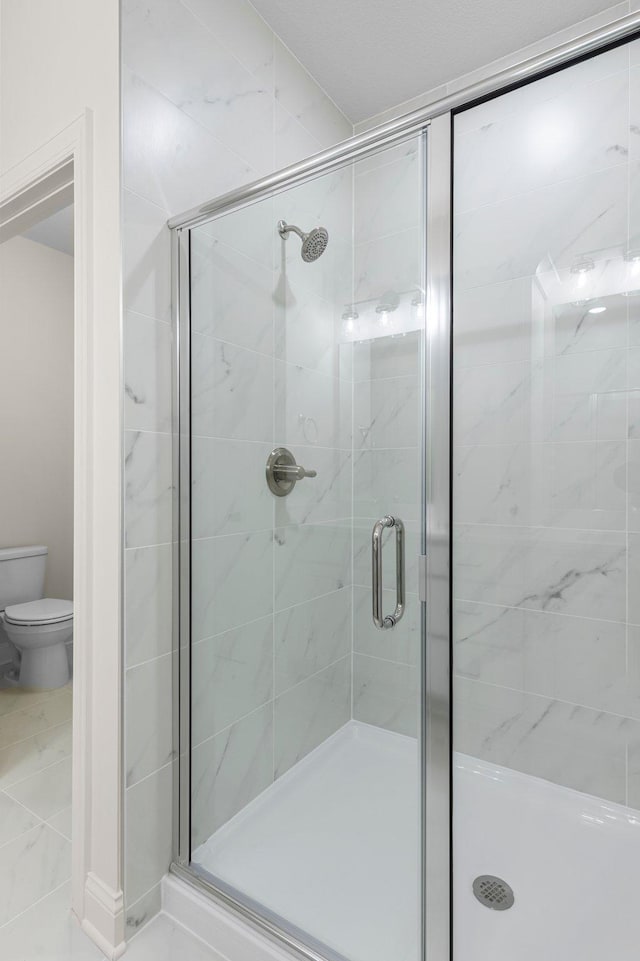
[21, 574]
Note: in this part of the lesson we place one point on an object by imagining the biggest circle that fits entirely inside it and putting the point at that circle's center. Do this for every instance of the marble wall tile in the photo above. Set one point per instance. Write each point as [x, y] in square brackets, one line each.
[149, 818]
[147, 373]
[634, 578]
[310, 560]
[559, 84]
[387, 357]
[568, 572]
[148, 488]
[633, 485]
[33, 865]
[298, 92]
[231, 295]
[574, 659]
[581, 485]
[231, 391]
[633, 765]
[232, 582]
[149, 725]
[167, 155]
[311, 636]
[293, 142]
[491, 404]
[311, 409]
[307, 332]
[386, 413]
[575, 329]
[387, 198]
[251, 231]
[205, 81]
[322, 498]
[307, 714]
[510, 239]
[385, 693]
[143, 910]
[403, 644]
[229, 770]
[229, 492]
[387, 482]
[146, 255]
[238, 26]
[493, 324]
[565, 743]
[231, 676]
[388, 263]
[552, 141]
[148, 604]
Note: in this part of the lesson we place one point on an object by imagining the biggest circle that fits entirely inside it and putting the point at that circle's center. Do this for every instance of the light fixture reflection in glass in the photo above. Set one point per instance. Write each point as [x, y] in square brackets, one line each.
[418, 303]
[349, 321]
[599, 309]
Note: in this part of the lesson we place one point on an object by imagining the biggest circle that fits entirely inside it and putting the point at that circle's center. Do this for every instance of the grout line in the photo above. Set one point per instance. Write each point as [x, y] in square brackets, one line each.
[39, 901]
[548, 697]
[536, 611]
[271, 701]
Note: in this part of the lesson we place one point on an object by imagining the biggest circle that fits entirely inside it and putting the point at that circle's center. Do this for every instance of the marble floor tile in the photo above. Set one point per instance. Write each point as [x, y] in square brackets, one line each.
[46, 793]
[34, 754]
[33, 865]
[14, 819]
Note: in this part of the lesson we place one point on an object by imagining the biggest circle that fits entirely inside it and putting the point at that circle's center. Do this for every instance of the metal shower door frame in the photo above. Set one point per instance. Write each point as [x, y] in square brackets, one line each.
[435, 739]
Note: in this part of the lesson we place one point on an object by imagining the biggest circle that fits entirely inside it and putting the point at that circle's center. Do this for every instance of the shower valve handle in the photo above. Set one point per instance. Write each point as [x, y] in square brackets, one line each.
[283, 473]
[294, 471]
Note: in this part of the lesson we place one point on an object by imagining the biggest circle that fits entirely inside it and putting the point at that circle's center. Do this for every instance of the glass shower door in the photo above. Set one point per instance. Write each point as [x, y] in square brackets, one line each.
[306, 441]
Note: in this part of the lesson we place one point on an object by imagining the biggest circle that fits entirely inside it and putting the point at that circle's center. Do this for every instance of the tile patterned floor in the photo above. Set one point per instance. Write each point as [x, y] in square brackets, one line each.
[35, 796]
[35, 842]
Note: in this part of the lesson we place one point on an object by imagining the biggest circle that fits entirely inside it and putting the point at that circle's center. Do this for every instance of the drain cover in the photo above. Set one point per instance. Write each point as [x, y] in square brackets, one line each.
[493, 892]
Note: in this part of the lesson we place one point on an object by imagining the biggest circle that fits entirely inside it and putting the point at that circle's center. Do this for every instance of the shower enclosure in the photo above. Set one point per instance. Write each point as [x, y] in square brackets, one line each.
[406, 381]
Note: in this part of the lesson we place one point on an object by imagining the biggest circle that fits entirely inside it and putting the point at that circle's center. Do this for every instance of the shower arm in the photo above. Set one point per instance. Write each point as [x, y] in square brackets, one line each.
[284, 228]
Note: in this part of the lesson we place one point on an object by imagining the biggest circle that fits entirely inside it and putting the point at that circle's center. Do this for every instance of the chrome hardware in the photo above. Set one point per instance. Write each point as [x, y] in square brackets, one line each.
[379, 619]
[283, 473]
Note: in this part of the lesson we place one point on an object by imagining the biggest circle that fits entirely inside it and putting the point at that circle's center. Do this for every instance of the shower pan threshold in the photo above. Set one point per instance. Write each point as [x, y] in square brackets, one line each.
[333, 844]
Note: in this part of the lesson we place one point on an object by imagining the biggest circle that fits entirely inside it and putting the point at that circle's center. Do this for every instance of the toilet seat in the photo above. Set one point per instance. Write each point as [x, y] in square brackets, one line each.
[48, 610]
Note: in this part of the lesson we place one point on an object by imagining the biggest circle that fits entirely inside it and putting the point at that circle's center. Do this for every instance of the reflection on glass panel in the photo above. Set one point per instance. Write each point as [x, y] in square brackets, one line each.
[546, 283]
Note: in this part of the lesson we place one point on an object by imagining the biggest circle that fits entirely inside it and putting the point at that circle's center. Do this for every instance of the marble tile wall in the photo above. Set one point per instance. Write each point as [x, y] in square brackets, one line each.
[545, 396]
[211, 99]
[388, 253]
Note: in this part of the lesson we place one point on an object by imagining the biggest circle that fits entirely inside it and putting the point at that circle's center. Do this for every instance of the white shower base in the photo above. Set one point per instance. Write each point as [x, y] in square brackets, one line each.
[332, 847]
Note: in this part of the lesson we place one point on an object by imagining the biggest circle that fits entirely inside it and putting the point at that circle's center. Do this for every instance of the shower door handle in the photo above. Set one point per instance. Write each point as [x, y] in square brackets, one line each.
[382, 621]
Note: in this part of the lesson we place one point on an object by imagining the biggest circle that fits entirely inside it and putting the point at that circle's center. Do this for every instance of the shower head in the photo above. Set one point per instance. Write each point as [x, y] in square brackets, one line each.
[314, 243]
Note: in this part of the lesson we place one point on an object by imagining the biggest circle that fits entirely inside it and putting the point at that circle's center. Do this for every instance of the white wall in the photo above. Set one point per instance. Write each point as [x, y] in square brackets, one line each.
[59, 62]
[36, 405]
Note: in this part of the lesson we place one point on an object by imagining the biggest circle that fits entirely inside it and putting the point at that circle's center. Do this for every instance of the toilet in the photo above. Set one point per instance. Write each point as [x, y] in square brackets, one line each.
[39, 628]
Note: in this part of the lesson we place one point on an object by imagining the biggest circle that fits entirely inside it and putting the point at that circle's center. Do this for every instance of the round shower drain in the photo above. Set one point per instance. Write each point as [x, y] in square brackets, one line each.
[493, 892]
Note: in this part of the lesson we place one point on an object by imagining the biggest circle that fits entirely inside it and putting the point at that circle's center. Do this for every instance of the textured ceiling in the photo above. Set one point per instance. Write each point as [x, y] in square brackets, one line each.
[370, 55]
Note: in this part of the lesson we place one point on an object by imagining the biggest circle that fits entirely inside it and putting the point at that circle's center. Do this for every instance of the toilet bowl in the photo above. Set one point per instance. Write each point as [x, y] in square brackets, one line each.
[40, 631]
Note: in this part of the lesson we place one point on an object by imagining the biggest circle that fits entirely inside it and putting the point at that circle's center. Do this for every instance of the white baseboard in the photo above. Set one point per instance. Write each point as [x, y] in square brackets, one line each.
[216, 926]
[103, 918]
